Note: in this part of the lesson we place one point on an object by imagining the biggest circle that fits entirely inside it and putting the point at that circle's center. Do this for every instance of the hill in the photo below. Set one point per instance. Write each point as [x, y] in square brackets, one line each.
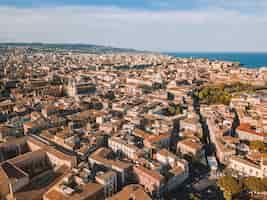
[81, 48]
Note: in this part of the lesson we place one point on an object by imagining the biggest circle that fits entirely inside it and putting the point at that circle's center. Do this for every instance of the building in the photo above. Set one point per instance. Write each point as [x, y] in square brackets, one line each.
[190, 147]
[152, 181]
[179, 170]
[247, 132]
[127, 148]
[70, 188]
[74, 88]
[245, 167]
[26, 158]
[123, 169]
[131, 192]
[109, 181]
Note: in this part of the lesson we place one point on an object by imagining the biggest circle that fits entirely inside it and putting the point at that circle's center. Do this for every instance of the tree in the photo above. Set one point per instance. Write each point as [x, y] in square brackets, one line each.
[110, 95]
[179, 109]
[170, 96]
[171, 110]
[157, 86]
[254, 184]
[258, 145]
[214, 94]
[230, 186]
[264, 182]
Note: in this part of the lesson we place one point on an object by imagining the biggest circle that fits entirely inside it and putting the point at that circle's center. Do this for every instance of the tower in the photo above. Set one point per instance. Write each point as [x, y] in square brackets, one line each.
[72, 88]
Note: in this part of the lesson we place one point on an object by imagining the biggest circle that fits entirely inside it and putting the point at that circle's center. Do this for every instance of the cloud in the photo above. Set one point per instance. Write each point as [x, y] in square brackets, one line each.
[246, 6]
[168, 30]
[241, 5]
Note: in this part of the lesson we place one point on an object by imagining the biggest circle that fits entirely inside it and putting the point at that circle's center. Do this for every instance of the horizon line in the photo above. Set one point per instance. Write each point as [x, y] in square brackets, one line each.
[126, 48]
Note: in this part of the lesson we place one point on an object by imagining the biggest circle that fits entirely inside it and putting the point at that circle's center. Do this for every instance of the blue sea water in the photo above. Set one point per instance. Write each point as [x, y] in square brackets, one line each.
[249, 60]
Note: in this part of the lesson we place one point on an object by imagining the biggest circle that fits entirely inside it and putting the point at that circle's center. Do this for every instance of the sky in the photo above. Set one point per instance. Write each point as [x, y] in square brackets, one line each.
[156, 25]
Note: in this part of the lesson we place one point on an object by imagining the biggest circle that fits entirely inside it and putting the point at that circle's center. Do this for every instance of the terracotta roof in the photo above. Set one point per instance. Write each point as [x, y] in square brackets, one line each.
[101, 155]
[166, 153]
[131, 192]
[153, 174]
[140, 133]
[246, 127]
[157, 138]
[190, 143]
[89, 191]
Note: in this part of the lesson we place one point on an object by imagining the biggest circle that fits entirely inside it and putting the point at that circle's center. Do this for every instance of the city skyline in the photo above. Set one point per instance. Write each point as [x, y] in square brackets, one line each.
[169, 26]
[87, 122]
[133, 99]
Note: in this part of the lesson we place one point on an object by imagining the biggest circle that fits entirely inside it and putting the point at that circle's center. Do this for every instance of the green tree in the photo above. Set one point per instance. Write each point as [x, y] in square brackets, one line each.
[171, 110]
[110, 95]
[179, 109]
[170, 96]
[230, 186]
[264, 182]
[222, 93]
[258, 145]
[254, 184]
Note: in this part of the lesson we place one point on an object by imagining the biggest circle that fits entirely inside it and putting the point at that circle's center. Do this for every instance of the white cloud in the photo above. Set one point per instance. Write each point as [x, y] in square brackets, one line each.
[206, 30]
[241, 5]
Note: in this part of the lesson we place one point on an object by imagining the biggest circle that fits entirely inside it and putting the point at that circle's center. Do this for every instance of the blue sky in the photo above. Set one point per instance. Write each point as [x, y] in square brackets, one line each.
[161, 25]
[251, 6]
[133, 4]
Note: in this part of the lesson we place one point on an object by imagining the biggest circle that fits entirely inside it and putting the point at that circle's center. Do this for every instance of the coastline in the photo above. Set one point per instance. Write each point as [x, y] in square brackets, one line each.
[248, 60]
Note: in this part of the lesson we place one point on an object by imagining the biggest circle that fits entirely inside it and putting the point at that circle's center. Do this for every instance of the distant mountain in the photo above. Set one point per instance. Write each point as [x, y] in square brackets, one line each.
[81, 48]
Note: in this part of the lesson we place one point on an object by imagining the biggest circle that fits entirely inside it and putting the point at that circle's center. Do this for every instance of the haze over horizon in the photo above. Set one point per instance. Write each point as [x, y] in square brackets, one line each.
[159, 25]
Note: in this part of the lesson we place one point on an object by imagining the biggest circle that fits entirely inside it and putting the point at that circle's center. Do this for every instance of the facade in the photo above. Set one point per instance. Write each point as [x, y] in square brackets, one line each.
[190, 147]
[109, 181]
[246, 168]
[152, 181]
[27, 159]
[123, 169]
[128, 149]
[247, 132]
[179, 171]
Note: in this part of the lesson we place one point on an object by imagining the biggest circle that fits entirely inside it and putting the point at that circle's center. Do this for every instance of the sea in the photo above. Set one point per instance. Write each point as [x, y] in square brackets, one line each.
[248, 60]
